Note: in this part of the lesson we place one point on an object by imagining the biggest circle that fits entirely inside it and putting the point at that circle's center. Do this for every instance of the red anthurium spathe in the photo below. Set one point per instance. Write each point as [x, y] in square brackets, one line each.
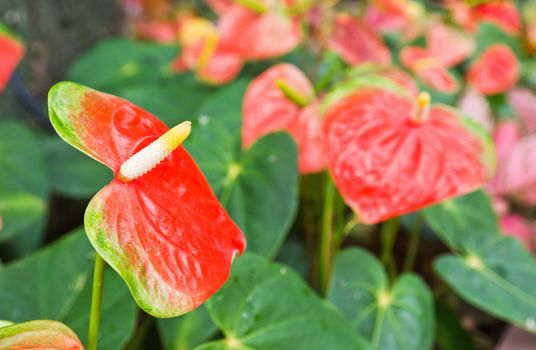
[495, 71]
[261, 33]
[163, 229]
[202, 53]
[11, 52]
[390, 155]
[282, 98]
[504, 14]
[445, 48]
[429, 69]
[42, 334]
[355, 42]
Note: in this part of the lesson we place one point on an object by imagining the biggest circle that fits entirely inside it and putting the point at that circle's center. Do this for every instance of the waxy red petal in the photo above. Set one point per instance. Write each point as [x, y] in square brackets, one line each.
[165, 232]
[266, 109]
[255, 36]
[429, 69]
[495, 71]
[356, 43]
[448, 44]
[42, 334]
[11, 52]
[384, 165]
[502, 13]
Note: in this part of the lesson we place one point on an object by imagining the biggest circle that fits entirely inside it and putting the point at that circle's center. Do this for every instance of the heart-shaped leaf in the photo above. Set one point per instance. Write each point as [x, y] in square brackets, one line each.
[164, 230]
[496, 274]
[72, 173]
[267, 306]
[400, 316]
[387, 162]
[55, 283]
[115, 63]
[187, 331]
[22, 174]
[455, 219]
[20, 211]
[42, 334]
[258, 186]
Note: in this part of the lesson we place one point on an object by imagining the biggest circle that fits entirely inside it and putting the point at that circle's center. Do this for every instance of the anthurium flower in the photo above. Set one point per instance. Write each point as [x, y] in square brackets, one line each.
[202, 53]
[355, 42]
[390, 155]
[445, 47]
[282, 98]
[387, 71]
[495, 71]
[11, 52]
[42, 334]
[476, 106]
[392, 15]
[503, 14]
[429, 69]
[158, 223]
[261, 30]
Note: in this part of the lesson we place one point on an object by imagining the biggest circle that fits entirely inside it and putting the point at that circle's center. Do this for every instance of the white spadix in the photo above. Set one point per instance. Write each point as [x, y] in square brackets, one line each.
[150, 156]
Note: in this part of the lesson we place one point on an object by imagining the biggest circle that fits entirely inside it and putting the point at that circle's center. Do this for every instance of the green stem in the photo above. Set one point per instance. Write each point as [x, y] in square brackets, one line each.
[253, 5]
[326, 238]
[96, 301]
[388, 236]
[291, 93]
[413, 245]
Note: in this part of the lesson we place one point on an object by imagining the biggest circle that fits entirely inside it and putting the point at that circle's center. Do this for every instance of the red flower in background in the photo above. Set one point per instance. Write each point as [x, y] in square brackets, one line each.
[445, 47]
[495, 71]
[282, 98]
[11, 52]
[262, 33]
[355, 42]
[503, 14]
[202, 53]
[390, 156]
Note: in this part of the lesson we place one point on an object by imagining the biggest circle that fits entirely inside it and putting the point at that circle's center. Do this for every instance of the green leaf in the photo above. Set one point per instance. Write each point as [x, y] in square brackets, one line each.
[490, 34]
[119, 62]
[267, 306]
[258, 186]
[55, 283]
[22, 173]
[400, 316]
[187, 331]
[450, 333]
[496, 274]
[19, 211]
[73, 173]
[456, 219]
[172, 100]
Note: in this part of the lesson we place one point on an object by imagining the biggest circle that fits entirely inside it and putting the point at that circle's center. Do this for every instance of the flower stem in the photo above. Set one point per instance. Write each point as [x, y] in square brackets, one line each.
[388, 236]
[413, 245]
[96, 301]
[326, 237]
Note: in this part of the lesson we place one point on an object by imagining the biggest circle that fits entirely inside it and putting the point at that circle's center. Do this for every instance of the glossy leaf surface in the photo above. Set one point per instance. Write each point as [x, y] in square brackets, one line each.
[55, 283]
[267, 306]
[383, 314]
[496, 274]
